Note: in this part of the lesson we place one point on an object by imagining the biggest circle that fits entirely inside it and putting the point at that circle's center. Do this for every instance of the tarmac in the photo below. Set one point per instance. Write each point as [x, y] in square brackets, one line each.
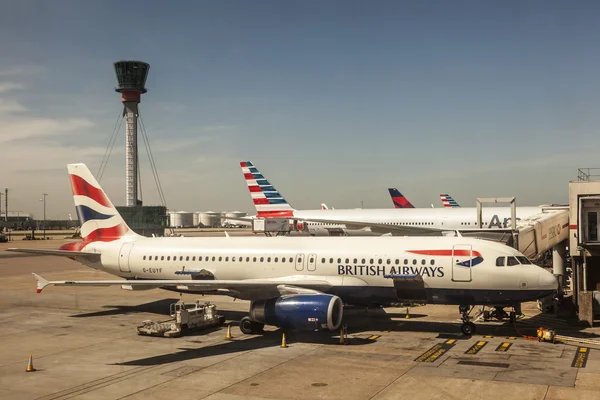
[85, 345]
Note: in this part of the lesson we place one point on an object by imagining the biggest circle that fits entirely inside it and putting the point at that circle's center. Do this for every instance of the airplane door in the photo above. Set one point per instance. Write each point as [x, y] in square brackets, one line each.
[312, 262]
[299, 262]
[124, 257]
[461, 263]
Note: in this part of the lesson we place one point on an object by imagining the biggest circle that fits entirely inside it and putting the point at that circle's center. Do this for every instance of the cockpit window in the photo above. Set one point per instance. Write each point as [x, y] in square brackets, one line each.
[512, 261]
[500, 262]
[523, 260]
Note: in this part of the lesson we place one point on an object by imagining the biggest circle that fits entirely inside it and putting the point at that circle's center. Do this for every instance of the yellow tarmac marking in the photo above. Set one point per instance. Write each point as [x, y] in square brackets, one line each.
[581, 357]
[503, 347]
[476, 348]
[436, 351]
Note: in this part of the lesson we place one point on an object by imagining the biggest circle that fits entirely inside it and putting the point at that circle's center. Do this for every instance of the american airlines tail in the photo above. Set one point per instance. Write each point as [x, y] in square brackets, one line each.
[448, 201]
[98, 217]
[399, 200]
[267, 200]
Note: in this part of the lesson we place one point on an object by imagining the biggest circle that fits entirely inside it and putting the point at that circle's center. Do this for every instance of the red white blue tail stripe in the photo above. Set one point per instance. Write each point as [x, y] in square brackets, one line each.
[448, 201]
[99, 219]
[267, 200]
[399, 200]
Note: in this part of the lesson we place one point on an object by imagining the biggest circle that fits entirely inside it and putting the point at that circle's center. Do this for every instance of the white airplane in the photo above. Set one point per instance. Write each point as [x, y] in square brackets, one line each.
[297, 282]
[270, 203]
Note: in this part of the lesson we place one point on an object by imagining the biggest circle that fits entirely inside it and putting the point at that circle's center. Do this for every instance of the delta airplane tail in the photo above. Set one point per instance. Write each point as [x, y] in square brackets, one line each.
[267, 200]
[448, 201]
[399, 200]
[98, 217]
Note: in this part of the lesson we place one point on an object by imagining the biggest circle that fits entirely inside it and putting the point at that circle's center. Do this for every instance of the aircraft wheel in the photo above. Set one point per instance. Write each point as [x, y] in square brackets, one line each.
[246, 325]
[257, 327]
[468, 328]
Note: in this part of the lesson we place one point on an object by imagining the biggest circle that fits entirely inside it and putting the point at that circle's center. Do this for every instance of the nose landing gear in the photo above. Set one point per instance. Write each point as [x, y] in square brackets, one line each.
[467, 328]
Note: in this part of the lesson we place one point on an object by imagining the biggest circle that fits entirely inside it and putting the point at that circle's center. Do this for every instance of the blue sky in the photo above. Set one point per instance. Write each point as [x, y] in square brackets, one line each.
[333, 101]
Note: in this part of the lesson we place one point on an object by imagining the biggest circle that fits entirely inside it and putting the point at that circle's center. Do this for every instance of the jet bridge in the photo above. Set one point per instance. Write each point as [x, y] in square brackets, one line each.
[584, 242]
[532, 236]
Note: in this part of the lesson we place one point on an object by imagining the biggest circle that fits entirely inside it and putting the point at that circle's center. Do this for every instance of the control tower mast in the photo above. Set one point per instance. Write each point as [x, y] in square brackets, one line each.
[131, 78]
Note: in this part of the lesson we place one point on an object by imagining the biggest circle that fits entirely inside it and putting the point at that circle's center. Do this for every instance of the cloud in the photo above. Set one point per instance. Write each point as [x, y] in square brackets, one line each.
[21, 70]
[218, 128]
[165, 145]
[6, 87]
[11, 106]
[26, 128]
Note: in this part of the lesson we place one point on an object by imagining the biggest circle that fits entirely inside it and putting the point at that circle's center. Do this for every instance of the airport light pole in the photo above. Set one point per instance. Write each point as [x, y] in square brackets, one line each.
[44, 200]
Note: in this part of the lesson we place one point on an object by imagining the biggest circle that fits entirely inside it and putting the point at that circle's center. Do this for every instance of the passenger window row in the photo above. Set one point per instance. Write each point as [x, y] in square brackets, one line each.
[283, 260]
[219, 259]
[379, 261]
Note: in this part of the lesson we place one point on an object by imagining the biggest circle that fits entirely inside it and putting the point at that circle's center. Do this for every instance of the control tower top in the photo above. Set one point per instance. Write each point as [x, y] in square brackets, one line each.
[131, 76]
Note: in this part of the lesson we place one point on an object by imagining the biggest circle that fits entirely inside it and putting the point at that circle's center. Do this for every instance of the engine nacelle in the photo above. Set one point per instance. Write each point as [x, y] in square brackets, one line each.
[300, 311]
[301, 226]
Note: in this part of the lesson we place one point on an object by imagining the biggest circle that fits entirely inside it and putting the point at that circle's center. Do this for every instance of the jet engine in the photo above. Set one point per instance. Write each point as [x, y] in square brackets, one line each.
[300, 226]
[301, 312]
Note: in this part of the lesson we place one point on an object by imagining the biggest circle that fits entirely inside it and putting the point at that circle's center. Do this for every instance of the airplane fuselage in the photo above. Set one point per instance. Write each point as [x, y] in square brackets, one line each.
[441, 218]
[361, 270]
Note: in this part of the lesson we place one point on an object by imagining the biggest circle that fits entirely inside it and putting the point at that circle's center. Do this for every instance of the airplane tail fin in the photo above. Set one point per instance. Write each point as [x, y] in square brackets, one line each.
[399, 200]
[324, 206]
[448, 201]
[267, 200]
[98, 217]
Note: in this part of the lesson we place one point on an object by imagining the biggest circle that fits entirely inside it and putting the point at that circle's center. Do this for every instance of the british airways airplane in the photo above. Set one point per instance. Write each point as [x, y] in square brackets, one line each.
[270, 203]
[297, 282]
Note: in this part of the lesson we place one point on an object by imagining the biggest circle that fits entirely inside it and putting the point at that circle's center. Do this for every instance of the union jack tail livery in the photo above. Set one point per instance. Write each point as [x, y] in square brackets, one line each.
[448, 201]
[99, 219]
[399, 200]
[267, 200]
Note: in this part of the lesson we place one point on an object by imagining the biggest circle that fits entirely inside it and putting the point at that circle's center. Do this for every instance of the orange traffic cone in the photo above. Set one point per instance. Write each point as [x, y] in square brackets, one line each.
[228, 336]
[283, 342]
[30, 365]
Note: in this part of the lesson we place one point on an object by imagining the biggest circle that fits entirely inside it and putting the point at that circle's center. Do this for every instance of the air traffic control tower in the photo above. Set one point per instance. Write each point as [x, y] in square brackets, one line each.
[131, 78]
[131, 81]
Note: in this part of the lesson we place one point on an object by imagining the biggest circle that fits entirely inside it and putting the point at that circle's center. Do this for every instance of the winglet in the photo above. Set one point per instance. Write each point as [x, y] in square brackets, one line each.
[41, 282]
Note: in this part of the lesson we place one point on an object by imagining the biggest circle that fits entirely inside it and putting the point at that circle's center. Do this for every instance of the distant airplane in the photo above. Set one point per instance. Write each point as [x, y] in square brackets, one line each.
[270, 203]
[399, 200]
[297, 282]
[448, 201]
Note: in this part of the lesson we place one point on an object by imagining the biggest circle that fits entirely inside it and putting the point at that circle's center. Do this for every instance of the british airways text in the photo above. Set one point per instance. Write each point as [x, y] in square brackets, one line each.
[382, 270]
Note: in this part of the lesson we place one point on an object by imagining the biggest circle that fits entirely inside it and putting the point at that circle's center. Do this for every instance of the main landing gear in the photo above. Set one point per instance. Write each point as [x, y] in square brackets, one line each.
[248, 327]
[468, 328]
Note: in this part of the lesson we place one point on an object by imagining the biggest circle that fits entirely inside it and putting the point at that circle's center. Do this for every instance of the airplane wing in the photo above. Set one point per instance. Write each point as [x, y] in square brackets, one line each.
[64, 253]
[396, 230]
[246, 289]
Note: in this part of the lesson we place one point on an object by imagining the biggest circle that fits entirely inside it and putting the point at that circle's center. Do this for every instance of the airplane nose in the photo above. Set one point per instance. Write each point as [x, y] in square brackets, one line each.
[548, 281]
